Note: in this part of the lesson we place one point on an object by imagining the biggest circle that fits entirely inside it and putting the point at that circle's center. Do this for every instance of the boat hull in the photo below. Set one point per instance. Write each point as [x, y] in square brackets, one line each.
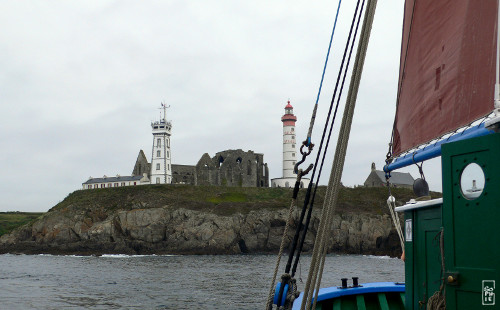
[379, 295]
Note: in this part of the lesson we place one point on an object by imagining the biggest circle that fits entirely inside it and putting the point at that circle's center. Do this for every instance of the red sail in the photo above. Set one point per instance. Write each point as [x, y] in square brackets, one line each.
[447, 69]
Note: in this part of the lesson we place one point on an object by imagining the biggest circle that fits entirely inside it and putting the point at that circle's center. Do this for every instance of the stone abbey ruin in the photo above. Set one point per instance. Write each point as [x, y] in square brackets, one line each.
[235, 168]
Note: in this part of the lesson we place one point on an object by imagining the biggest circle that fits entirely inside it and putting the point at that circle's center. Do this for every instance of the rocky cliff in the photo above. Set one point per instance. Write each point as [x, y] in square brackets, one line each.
[142, 223]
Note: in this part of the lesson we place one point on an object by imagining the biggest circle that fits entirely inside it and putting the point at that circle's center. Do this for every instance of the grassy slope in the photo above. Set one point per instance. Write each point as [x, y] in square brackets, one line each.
[228, 200]
[11, 220]
[216, 199]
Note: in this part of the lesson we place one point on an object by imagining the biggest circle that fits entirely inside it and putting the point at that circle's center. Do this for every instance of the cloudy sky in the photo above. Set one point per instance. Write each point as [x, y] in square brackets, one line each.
[80, 82]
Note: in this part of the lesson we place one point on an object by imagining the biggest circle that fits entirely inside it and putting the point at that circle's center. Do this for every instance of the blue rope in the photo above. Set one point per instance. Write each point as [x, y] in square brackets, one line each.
[324, 68]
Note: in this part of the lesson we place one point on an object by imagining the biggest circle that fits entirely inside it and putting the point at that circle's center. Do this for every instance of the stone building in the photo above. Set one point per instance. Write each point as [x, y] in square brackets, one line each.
[232, 168]
[183, 174]
[376, 178]
[227, 168]
[141, 165]
[235, 168]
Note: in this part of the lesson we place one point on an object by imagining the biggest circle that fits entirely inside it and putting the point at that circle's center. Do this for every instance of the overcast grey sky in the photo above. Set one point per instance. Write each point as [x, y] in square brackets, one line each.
[80, 82]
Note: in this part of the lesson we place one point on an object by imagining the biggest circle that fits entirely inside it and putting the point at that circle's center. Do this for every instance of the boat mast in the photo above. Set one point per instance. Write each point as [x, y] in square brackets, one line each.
[493, 123]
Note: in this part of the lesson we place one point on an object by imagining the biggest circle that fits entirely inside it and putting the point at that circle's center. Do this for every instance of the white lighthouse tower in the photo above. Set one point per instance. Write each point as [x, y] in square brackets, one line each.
[289, 151]
[161, 170]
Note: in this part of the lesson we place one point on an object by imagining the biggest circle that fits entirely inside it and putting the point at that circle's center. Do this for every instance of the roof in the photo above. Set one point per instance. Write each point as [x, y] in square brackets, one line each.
[396, 177]
[114, 179]
[288, 106]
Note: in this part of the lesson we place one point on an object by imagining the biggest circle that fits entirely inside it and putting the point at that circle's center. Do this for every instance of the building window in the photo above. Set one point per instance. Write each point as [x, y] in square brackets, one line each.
[102, 185]
[168, 142]
[96, 185]
[135, 183]
[158, 142]
[168, 155]
[293, 155]
[293, 145]
[158, 153]
[168, 166]
[89, 186]
[123, 183]
[157, 180]
[292, 130]
[293, 137]
[157, 166]
[109, 184]
[116, 184]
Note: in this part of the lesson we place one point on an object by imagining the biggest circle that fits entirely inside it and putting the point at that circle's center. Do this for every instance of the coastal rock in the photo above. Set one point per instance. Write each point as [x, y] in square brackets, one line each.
[169, 230]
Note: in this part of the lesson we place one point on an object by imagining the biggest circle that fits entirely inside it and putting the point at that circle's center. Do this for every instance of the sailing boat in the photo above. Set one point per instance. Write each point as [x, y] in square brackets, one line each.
[448, 105]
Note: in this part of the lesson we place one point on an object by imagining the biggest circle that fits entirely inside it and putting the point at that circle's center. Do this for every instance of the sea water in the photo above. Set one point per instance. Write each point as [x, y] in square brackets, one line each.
[165, 281]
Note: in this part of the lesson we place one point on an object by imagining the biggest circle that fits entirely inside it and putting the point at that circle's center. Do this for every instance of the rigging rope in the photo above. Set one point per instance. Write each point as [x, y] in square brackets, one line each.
[304, 227]
[306, 201]
[300, 173]
[391, 203]
[438, 300]
[317, 260]
[313, 116]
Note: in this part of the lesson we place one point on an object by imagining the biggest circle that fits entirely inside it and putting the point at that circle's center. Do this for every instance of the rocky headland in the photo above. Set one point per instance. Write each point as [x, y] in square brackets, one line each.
[163, 219]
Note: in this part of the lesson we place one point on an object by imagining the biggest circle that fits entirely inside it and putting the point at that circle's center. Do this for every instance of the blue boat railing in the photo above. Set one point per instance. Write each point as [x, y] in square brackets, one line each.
[434, 150]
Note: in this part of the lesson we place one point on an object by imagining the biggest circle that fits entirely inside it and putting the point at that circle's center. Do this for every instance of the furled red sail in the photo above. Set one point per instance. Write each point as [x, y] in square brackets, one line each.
[447, 69]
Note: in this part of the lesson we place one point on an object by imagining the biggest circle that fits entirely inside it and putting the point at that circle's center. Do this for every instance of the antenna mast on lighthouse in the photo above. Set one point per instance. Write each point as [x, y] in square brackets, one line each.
[164, 107]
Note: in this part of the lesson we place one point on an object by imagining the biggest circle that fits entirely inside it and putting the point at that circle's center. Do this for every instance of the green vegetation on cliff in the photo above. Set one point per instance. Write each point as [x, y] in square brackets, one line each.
[229, 200]
[11, 220]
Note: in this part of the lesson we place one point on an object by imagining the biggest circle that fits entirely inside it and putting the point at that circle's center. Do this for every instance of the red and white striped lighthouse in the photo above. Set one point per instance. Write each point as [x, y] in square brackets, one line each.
[289, 153]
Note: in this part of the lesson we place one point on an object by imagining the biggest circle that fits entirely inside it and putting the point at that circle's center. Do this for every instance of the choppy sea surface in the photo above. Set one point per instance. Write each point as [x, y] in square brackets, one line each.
[165, 281]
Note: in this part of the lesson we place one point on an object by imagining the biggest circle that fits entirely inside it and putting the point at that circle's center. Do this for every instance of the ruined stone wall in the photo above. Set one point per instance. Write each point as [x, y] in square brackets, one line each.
[238, 168]
[183, 174]
[142, 165]
[227, 168]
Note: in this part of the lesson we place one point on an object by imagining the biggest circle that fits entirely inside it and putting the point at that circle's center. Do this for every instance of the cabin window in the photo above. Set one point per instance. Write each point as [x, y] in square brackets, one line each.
[472, 181]
[157, 166]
